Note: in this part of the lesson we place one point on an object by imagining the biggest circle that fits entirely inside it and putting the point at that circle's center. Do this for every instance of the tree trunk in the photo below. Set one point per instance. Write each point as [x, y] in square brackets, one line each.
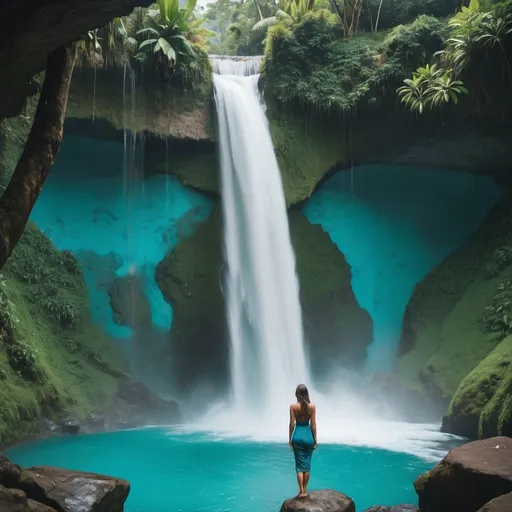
[40, 150]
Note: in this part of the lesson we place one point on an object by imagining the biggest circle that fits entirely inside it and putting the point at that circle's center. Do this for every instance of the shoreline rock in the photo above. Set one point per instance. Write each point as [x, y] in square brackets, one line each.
[468, 477]
[325, 500]
[48, 489]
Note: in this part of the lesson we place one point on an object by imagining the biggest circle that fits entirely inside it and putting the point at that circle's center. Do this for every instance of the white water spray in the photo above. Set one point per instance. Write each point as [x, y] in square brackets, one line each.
[260, 286]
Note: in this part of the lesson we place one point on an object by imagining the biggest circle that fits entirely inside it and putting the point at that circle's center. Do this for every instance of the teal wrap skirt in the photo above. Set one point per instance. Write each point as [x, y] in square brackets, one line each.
[302, 443]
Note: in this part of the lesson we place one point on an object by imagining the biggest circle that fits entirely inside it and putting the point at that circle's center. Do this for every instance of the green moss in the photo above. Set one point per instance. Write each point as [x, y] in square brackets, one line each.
[444, 337]
[190, 278]
[52, 357]
[484, 398]
[306, 147]
[337, 329]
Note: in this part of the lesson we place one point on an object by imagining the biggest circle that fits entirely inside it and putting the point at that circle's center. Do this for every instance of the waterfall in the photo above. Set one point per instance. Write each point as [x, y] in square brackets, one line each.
[260, 284]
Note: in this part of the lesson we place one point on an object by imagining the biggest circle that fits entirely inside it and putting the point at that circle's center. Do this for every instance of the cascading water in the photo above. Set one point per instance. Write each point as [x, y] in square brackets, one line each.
[260, 286]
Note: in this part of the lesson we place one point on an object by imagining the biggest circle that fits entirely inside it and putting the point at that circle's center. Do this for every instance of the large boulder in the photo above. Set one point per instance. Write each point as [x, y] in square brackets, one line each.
[320, 501]
[468, 477]
[500, 504]
[482, 405]
[73, 491]
[443, 336]
[14, 500]
[9, 473]
[337, 329]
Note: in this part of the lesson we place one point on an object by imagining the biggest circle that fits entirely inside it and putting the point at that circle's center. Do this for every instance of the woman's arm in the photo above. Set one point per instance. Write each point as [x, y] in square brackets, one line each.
[291, 426]
[313, 424]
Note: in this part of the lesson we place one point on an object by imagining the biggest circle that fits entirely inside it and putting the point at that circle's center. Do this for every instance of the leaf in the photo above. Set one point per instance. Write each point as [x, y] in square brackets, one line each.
[148, 30]
[264, 24]
[146, 43]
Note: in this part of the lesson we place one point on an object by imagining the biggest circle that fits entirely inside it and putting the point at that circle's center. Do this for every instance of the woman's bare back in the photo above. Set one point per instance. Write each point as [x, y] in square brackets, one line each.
[300, 415]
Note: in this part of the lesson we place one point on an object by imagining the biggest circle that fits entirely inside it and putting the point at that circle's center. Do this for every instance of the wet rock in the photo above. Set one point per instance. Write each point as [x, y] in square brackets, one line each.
[35, 506]
[46, 426]
[9, 473]
[14, 500]
[95, 420]
[70, 425]
[129, 302]
[320, 501]
[394, 508]
[136, 406]
[468, 477]
[501, 504]
[74, 491]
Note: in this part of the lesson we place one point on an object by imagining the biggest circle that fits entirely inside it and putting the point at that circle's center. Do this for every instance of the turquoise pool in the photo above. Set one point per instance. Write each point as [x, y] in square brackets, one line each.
[190, 472]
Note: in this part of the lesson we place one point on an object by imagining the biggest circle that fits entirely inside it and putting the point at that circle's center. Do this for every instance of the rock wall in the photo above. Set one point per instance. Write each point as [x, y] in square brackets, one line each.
[139, 104]
[190, 279]
[447, 330]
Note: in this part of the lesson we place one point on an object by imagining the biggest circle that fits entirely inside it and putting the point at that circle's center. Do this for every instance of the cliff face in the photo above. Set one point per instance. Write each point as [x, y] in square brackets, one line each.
[132, 102]
[457, 317]
[190, 279]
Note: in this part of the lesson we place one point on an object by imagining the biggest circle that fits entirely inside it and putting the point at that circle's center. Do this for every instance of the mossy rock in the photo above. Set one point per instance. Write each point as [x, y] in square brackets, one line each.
[52, 356]
[306, 147]
[443, 335]
[336, 328]
[482, 406]
[190, 279]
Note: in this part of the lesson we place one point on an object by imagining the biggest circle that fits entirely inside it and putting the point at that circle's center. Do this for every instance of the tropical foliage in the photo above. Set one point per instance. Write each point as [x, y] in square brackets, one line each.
[430, 87]
[478, 44]
[165, 39]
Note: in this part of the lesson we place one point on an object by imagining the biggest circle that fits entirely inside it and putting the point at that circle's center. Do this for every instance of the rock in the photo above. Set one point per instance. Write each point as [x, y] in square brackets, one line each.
[320, 501]
[468, 477]
[9, 473]
[394, 508]
[35, 506]
[70, 425]
[481, 406]
[74, 491]
[501, 504]
[130, 302]
[136, 406]
[12, 500]
[443, 339]
[46, 426]
[96, 420]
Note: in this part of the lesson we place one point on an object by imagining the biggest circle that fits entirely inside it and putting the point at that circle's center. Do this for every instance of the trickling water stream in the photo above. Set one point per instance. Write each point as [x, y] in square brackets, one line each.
[260, 286]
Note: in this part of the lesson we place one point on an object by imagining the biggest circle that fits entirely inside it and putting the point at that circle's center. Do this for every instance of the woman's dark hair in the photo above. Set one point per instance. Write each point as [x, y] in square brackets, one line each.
[302, 395]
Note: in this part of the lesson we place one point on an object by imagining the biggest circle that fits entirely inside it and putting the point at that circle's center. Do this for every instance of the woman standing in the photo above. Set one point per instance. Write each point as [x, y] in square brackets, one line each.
[302, 436]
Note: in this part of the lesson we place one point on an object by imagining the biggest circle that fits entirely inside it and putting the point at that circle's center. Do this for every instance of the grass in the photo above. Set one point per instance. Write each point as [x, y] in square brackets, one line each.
[52, 357]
